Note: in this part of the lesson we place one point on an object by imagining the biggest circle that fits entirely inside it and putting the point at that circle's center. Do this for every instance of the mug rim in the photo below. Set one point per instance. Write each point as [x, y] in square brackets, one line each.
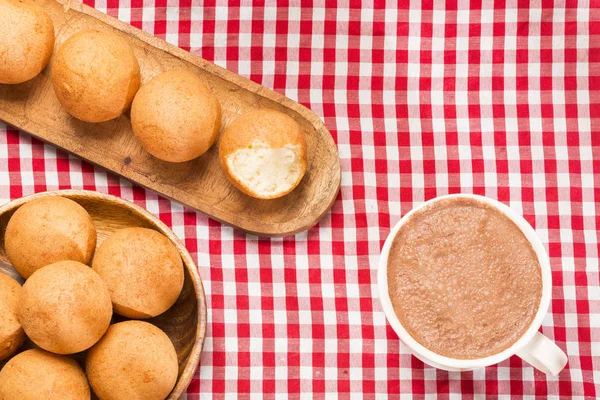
[439, 360]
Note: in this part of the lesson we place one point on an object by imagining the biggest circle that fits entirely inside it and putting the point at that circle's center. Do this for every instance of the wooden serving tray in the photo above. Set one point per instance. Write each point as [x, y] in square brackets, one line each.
[199, 184]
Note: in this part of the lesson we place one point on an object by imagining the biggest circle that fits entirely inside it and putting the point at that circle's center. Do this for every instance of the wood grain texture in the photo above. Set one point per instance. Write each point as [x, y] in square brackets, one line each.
[200, 183]
[184, 322]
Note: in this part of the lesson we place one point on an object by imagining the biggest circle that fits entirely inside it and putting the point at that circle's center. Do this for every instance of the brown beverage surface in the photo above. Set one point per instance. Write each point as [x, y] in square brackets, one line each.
[464, 280]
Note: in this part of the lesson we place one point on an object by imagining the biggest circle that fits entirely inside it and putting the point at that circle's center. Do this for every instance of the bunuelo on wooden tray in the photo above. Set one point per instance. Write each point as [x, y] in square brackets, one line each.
[199, 184]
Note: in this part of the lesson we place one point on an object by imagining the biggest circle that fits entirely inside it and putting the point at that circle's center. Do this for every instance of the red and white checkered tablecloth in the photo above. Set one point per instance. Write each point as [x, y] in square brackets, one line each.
[423, 98]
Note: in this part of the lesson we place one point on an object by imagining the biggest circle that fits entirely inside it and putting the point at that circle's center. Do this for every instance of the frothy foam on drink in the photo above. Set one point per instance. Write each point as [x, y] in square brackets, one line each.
[464, 280]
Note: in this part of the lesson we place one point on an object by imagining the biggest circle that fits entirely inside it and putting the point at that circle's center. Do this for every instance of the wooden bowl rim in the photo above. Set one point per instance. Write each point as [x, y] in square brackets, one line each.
[194, 357]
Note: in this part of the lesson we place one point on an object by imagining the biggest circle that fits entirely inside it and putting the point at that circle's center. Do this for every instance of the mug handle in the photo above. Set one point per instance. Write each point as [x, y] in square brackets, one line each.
[544, 354]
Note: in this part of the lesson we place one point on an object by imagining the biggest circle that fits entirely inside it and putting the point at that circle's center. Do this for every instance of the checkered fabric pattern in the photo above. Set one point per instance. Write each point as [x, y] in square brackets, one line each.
[423, 98]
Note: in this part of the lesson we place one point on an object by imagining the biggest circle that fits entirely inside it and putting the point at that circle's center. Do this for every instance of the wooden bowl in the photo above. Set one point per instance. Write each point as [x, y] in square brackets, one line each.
[184, 323]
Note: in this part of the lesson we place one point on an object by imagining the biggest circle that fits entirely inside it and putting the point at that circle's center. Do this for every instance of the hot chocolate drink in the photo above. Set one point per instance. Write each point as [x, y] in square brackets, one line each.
[463, 279]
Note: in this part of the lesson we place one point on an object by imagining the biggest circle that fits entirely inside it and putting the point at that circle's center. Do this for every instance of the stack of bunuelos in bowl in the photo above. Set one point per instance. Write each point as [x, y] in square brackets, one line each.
[65, 307]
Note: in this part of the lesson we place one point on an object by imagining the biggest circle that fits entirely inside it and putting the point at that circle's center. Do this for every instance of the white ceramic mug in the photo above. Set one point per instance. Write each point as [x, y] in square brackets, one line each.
[533, 347]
